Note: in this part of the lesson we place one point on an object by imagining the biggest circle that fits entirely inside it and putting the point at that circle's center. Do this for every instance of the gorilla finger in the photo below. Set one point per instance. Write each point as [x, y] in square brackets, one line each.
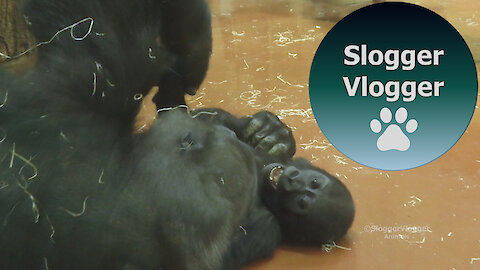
[266, 130]
[271, 120]
[285, 136]
[269, 116]
[274, 120]
[257, 138]
[285, 132]
[254, 126]
[278, 150]
[266, 143]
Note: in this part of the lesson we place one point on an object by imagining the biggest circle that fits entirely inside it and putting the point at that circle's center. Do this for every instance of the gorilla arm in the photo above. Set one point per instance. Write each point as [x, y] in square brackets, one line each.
[263, 131]
[186, 33]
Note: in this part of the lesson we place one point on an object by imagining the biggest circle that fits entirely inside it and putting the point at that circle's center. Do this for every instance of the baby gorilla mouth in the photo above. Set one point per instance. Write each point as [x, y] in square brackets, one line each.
[275, 174]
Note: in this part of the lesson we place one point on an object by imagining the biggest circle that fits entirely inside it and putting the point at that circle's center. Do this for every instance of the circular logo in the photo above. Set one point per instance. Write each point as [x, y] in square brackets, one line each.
[393, 86]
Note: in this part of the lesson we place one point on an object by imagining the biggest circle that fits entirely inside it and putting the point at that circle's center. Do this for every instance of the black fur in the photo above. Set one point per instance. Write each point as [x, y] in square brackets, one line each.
[132, 46]
[101, 199]
[79, 191]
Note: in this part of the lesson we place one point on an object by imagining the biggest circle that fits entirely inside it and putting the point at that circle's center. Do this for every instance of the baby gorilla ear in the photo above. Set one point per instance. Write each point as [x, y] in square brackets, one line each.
[188, 143]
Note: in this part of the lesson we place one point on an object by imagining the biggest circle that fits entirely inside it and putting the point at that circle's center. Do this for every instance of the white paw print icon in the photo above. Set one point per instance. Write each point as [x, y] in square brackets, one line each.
[393, 137]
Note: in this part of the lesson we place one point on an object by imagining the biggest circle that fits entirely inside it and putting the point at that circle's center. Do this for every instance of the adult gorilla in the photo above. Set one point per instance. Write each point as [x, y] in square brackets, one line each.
[80, 190]
[115, 51]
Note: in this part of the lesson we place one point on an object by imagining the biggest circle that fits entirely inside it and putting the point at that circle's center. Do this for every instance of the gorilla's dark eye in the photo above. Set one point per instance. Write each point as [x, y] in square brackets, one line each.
[315, 184]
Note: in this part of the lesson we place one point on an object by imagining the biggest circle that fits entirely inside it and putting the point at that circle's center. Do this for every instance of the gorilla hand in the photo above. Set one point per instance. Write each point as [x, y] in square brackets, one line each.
[266, 133]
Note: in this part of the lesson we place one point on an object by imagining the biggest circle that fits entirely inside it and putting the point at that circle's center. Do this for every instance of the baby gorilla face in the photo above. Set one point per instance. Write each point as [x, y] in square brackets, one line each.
[301, 190]
[313, 205]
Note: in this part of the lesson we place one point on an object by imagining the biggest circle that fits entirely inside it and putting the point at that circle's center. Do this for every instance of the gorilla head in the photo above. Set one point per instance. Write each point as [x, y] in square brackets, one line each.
[312, 206]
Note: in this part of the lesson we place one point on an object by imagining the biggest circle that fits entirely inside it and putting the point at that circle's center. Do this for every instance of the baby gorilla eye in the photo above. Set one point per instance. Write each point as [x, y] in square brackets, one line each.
[315, 184]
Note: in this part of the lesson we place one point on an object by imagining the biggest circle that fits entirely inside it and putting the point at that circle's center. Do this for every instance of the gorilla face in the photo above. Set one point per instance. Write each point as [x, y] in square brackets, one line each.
[313, 206]
[303, 189]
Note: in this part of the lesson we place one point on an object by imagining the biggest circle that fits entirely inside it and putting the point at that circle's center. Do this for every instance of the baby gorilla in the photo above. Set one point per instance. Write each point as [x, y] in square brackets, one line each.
[79, 190]
[310, 206]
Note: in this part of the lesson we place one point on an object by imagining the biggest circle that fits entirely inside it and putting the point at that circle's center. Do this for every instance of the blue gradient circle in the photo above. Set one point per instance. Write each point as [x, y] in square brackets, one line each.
[391, 129]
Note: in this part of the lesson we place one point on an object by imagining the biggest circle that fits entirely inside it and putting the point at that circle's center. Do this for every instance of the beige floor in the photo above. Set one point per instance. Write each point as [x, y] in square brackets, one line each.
[262, 55]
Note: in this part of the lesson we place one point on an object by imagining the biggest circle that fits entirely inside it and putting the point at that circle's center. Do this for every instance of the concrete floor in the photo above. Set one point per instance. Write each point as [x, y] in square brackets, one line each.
[261, 59]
